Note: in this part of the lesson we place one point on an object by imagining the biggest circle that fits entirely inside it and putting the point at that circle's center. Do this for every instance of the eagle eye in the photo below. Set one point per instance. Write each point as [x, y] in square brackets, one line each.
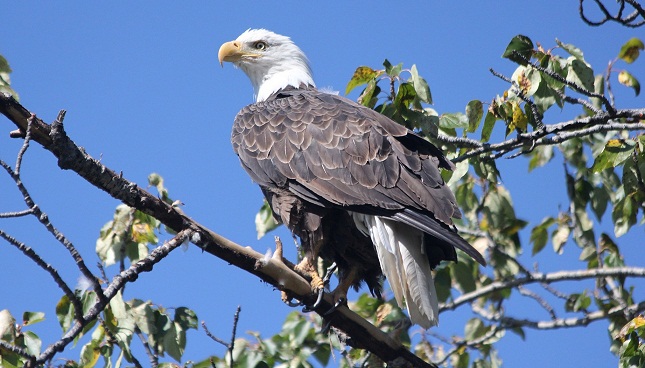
[260, 45]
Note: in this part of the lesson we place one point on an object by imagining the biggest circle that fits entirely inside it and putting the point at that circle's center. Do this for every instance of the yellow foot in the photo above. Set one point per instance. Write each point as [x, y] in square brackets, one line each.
[306, 267]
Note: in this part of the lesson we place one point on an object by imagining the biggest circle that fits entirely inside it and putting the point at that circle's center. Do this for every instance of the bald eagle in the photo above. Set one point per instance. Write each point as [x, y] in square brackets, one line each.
[357, 188]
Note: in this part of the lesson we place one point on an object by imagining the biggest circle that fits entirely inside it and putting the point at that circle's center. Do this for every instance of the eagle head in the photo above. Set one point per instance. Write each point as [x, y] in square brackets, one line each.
[271, 61]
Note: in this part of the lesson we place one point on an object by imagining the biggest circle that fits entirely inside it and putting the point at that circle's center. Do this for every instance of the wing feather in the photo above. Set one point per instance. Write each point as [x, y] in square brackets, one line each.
[344, 154]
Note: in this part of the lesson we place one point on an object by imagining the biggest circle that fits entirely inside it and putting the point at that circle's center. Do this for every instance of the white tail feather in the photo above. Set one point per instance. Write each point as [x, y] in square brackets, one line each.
[401, 254]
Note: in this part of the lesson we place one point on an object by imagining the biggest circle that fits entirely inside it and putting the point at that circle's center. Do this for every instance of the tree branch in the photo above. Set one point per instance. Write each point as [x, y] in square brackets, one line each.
[117, 284]
[627, 20]
[584, 320]
[558, 133]
[71, 157]
[543, 278]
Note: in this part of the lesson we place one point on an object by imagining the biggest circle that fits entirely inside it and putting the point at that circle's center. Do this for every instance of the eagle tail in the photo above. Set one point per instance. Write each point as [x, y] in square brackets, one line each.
[400, 251]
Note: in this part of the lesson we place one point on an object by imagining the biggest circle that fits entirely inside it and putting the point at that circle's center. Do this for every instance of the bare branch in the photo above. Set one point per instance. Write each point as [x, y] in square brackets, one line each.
[472, 343]
[625, 20]
[543, 278]
[25, 145]
[154, 359]
[230, 345]
[558, 133]
[17, 213]
[29, 252]
[559, 322]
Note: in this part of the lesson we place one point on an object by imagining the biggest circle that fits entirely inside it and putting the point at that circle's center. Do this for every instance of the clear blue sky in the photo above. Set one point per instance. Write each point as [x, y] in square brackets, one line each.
[144, 92]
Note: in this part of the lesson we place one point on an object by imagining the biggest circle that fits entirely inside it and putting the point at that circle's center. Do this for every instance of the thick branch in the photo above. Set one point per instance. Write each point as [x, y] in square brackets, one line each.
[71, 157]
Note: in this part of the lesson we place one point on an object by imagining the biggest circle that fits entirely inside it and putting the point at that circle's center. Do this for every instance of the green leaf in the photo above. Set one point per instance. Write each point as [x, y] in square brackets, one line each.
[572, 50]
[520, 44]
[474, 113]
[29, 318]
[580, 74]
[392, 71]
[489, 123]
[32, 343]
[461, 169]
[362, 75]
[624, 215]
[630, 50]
[174, 341]
[405, 95]
[453, 121]
[558, 66]
[540, 156]
[463, 276]
[420, 86]
[486, 169]
[90, 354]
[65, 313]
[628, 80]
[264, 220]
[4, 65]
[540, 235]
[143, 316]
[369, 96]
[443, 282]
[186, 318]
[577, 302]
[616, 151]
[5, 79]
[545, 97]
[599, 200]
[474, 328]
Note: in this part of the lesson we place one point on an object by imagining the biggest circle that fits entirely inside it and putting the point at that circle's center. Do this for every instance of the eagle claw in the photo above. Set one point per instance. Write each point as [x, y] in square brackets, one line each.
[338, 303]
[330, 271]
[286, 299]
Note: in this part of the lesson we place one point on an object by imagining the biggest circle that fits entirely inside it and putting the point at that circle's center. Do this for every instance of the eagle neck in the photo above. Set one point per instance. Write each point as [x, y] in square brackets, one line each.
[273, 83]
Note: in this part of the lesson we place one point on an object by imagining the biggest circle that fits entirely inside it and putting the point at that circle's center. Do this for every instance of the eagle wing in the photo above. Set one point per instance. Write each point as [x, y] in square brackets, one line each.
[330, 151]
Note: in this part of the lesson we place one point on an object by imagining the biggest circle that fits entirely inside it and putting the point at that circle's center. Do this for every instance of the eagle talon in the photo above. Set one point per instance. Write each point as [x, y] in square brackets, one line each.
[330, 271]
[321, 292]
[286, 299]
[338, 303]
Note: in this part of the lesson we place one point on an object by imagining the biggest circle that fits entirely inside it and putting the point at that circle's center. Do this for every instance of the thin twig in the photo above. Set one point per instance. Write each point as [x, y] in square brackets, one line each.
[31, 254]
[229, 345]
[541, 301]
[17, 213]
[154, 359]
[236, 318]
[25, 145]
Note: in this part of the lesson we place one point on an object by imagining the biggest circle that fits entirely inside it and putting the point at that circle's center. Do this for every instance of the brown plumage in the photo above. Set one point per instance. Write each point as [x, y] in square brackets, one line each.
[357, 188]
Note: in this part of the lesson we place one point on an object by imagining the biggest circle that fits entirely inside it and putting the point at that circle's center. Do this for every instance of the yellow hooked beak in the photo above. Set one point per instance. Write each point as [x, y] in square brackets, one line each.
[232, 51]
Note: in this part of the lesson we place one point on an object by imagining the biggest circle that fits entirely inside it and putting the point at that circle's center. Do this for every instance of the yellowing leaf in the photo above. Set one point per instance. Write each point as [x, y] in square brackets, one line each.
[630, 50]
[362, 75]
[519, 119]
[628, 80]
